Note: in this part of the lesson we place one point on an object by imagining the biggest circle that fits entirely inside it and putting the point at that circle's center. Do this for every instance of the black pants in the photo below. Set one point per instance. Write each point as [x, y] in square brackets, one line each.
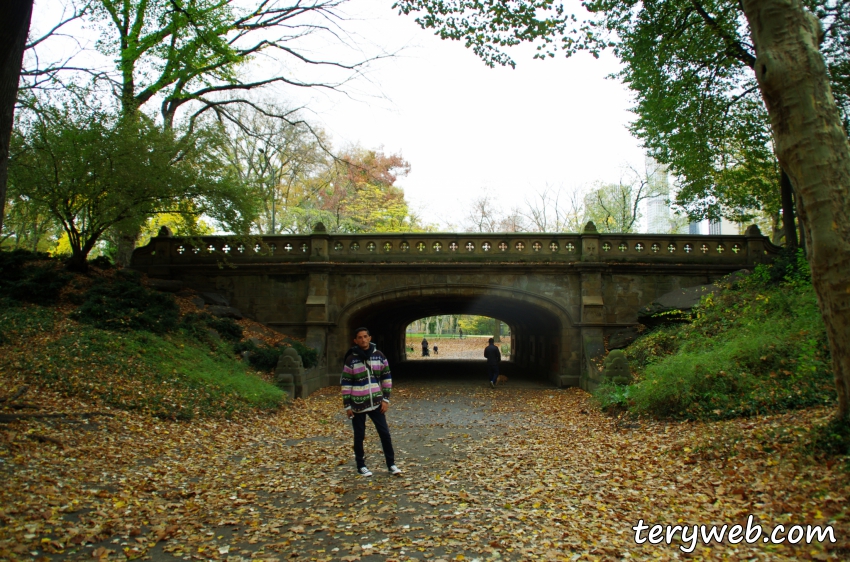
[493, 371]
[358, 422]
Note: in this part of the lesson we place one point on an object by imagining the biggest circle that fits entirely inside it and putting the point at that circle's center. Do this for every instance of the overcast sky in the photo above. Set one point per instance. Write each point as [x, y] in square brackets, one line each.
[467, 130]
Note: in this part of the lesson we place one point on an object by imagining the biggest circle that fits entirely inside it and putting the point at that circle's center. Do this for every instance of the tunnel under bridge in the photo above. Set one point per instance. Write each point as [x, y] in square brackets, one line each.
[561, 293]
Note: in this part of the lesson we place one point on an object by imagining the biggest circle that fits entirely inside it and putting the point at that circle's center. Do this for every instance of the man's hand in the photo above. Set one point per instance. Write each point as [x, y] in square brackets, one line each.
[350, 413]
[384, 406]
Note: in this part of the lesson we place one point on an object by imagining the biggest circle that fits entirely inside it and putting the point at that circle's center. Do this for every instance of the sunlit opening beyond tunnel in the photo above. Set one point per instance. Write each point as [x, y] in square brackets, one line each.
[455, 336]
[530, 335]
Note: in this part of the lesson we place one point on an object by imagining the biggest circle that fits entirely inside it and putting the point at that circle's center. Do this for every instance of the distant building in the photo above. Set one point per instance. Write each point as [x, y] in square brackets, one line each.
[660, 218]
[723, 226]
[657, 208]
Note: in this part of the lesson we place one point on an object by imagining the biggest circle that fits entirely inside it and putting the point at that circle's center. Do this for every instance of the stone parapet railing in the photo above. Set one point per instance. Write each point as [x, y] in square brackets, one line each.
[589, 246]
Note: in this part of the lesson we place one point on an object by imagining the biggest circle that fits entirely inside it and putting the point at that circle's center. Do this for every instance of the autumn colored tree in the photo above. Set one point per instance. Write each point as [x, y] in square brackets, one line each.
[359, 193]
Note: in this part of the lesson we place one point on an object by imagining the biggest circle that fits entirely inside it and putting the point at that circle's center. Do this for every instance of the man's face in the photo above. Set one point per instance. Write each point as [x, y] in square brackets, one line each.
[362, 339]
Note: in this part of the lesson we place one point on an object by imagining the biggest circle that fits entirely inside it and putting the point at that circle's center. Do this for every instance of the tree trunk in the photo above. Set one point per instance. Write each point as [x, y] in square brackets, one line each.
[788, 210]
[14, 28]
[813, 148]
[125, 244]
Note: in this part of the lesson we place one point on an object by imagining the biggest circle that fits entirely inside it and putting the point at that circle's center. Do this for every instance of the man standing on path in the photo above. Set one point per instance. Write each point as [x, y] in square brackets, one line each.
[493, 356]
[424, 347]
[366, 386]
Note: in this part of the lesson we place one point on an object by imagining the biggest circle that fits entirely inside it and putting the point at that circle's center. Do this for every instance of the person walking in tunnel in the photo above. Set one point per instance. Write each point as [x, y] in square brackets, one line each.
[424, 347]
[366, 387]
[493, 356]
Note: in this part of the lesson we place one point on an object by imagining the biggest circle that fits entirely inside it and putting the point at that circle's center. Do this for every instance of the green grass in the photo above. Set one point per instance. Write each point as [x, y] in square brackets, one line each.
[123, 346]
[21, 321]
[757, 348]
[174, 375]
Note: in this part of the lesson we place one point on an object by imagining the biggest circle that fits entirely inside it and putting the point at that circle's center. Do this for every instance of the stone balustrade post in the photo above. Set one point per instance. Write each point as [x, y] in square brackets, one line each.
[319, 243]
[592, 310]
[755, 245]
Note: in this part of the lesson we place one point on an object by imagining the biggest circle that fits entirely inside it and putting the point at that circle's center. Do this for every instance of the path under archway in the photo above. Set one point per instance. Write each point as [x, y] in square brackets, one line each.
[538, 329]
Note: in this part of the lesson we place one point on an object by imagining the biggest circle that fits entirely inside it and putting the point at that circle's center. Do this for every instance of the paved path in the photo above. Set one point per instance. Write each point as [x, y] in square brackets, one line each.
[521, 472]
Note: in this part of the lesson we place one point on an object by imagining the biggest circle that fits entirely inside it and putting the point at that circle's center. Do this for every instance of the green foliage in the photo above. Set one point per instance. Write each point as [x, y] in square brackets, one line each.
[23, 321]
[30, 277]
[830, 440]
[92, 171]
[227, 328]
[124, 304]
[477, 325]
[102, 262]
[790, 267]
[751, 349]
[611, 396]
[265, 357]
[198, 324]
[309, 356]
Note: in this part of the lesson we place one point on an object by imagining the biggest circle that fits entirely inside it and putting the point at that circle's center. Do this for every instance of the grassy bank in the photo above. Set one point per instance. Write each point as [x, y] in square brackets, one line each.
[109, 340]
[758, 346]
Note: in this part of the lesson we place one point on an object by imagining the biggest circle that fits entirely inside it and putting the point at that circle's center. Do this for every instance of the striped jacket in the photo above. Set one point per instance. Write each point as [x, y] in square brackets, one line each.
[365, 383]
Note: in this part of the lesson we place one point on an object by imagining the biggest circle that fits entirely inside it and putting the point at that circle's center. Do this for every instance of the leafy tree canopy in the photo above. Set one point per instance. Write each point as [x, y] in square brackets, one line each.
[91, 170]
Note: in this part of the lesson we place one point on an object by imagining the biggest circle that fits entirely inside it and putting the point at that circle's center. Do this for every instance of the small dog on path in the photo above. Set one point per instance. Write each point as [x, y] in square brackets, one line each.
[502, 379]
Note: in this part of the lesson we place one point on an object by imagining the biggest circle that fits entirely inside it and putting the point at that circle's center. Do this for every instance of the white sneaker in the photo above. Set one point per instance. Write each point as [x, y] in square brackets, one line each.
[394, 470]
[364, 471]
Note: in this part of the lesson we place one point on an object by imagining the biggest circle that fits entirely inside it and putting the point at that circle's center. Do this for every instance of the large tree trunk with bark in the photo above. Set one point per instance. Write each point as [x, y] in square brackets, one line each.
[814, 151]
[14, 29]
[788, 226]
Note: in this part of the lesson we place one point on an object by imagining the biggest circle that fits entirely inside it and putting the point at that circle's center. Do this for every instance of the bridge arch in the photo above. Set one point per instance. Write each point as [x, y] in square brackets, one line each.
[562, 293]
[544, 341]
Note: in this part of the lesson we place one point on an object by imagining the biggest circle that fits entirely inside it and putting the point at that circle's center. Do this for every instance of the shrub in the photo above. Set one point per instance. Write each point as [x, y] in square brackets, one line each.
[102, 262]
[21, 280]
[227, 328]
[754, 348]
[830, 440]
[309, 356]
[198, 324]
[123, 304]
[265, 358]
[790, 266]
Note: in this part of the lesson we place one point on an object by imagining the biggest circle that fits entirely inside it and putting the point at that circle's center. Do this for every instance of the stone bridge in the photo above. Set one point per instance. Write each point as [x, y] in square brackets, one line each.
[561, 294]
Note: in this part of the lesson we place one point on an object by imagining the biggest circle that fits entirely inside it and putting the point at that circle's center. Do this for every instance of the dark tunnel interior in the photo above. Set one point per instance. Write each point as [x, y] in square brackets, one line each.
[535, 334]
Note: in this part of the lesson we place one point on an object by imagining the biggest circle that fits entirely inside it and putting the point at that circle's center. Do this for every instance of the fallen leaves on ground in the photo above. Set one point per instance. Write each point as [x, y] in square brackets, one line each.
[514, 474]
[469, 347]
